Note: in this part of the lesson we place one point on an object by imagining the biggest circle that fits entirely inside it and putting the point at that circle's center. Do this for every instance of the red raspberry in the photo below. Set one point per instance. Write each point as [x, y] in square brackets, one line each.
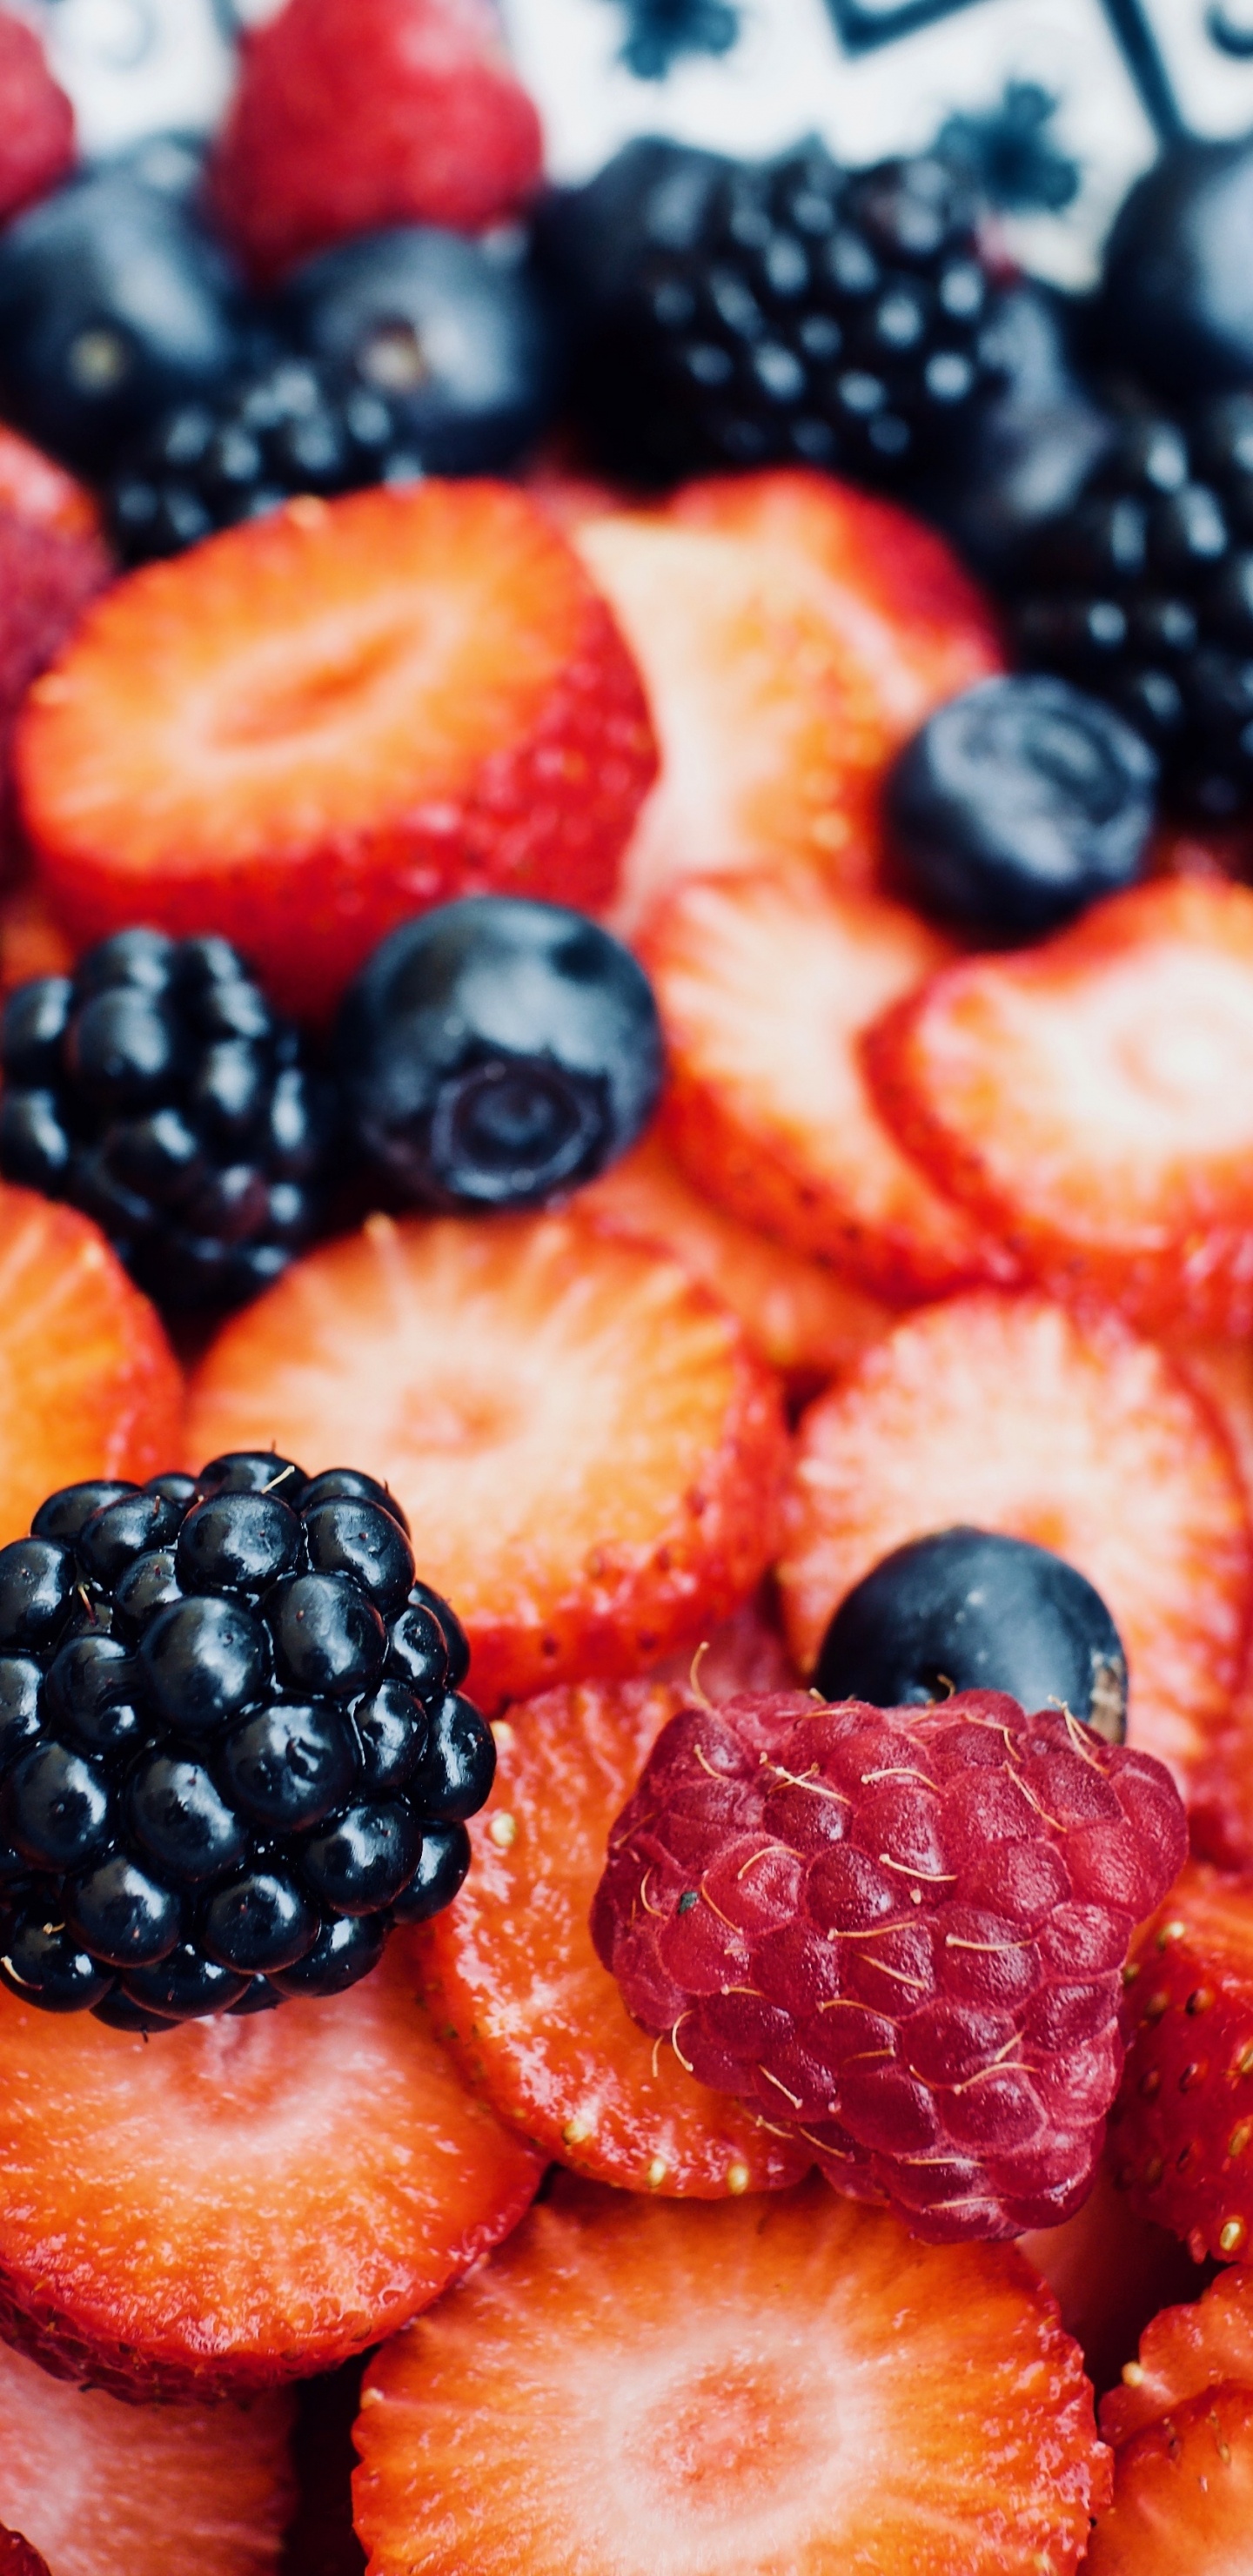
[47, 576]
[36, 120]
[902, 1931]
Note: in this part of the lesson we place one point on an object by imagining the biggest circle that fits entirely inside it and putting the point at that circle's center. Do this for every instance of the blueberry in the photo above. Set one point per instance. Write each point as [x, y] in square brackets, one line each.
[453, 333]
[183, 1821]
[343, 1953]
[350, 1484]
[1018, 804]
[116, 1533]
[92, 1689]
[442, 1866]
[357, 1538]
[1176, 301]
[237, 1543]
[123, 1915]
[967, 1609]
[328, 1639]
[57, 1806]
[290, 1764]
[204, 1660]
[497, 1051]
[37, 1580]
[458, 1767]
[259, 1922]
[114, 303]
[43, 1963]
[185, 1985]
[392, 1730]
[359, 1861]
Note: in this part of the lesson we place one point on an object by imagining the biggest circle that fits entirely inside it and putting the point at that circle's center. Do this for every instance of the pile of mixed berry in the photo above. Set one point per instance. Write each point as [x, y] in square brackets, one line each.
[626, 1351]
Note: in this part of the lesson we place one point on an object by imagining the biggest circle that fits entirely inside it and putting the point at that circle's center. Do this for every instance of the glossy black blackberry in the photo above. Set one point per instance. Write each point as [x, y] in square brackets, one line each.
[1142, 591]
[735, 314]
[158, 1091]
[233, 1749]
[236, 454]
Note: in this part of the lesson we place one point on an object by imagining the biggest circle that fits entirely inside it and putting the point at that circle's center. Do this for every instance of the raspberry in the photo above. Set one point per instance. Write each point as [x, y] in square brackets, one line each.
[900, 1931]
[36, 120]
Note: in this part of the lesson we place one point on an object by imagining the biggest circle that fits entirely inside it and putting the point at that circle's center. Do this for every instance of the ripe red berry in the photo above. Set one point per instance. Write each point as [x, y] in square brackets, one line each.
[36, 120]
[900, 1931]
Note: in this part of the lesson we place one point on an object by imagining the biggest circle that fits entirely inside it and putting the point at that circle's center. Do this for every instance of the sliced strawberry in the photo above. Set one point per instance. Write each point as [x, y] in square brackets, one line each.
[1092, 1100]
[1221, 1797]
[88, 1383]
[1182, 2130]
[807, 1321]
[239, 2202]
[765, 983]
[322, 721]
[32, 941]
[1010, 1413]
[1183, 2351]
[916, 621]
[728, 2390]
[1183, 2494]
[103, 2489]
[589, 1454]
[516, 1987]
[769, 723]
[1110, 2271]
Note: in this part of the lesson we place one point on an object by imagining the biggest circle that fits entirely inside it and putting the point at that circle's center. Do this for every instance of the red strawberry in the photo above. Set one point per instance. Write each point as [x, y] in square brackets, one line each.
[1221, 1796]
[899, 1933]
[32, 941]
[88, 1383]
[1183, 2133]
[353, 114]
[1183, 2494]
[36, 119]
[238, 2202]
[109, 2490]
[1110, 2271]
[1092, 1100]
[769, 721]
[588, 1452]
[1183, 2351]
[765, 983]
[807, 1321]
[779, 2388]
[1012, 1414]
[48, 574]
[321, 722]
[514, 1983]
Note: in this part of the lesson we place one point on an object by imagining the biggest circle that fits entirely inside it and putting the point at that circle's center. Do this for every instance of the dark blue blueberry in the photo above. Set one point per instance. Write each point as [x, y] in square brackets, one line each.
[114, 303]
[423, 1596]
[94, 1693]
[442, 1866]
[344, 1952]
[328, 1639]
[149, 1585]
[496, 1051]
[393, 1731]
[41, 1961]
[350, 1484]
[1018, 804]
[67, 1511]
[116, 1533]
[252, 1471]
[183, 1821]
[967, 1609]
[185, 1986]
[458, 1767]
[1176, 301]
[290, 1764]
[21, 1682]
[358, 1539]
[204, 1660]
[37, 1580]
[32, 1026]
[359, 1862]
[56, 1806]
[259, 1922]
[238, 1543]
[123, 1915]
[452, 333]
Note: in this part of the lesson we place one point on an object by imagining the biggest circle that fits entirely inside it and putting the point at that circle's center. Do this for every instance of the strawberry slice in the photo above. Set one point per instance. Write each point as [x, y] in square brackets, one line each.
[1222, 1791]
[768, 719]
[765, 983]
[731, 2389]
[1183, 2494]
[241, 2201]
[1182, 2129]
[516, 1987]
[1092, 1100]
[917, 622]
[88, 1383]
[1111, 2272]
[103, 2489]
[1010, 1413]
[589, 1454]
[312, 726]
[32, 941]
[807, 1321]
[1183, 2351]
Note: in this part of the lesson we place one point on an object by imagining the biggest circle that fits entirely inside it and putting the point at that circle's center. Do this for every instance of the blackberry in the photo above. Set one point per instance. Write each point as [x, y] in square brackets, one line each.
[1142, 592]
[233, 1747]
[737, 314]
[158, 1091]
[297, 426]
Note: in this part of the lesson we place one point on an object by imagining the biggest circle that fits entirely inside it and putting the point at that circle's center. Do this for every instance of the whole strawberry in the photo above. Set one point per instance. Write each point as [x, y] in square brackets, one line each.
[901, 1932]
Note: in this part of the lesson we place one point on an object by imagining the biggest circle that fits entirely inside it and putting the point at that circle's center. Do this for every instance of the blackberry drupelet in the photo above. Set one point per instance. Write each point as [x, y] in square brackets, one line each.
[295, 427]
[1142, 591]
[744, 313]
[233, 1749]
[158, 1091]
